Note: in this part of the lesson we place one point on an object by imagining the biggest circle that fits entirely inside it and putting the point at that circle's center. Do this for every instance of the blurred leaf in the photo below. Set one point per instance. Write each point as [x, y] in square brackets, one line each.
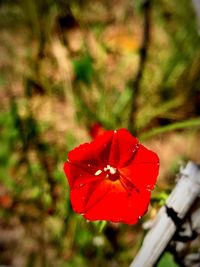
[167, 261]
[160, 198]
[122, 102]
[83, 69]
[46, 199]
[54, 224]
[99, 225]
[2, 81]
[59, 175]
[102, 226]
[153, 112]
[70, 140]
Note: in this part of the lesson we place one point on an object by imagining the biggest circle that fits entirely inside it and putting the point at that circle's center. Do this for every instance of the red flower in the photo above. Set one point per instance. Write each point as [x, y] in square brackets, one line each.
[96, 130]
[111, 178]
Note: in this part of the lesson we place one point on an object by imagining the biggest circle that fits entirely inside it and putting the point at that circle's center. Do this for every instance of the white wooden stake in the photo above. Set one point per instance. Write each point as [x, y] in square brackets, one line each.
[181, 199]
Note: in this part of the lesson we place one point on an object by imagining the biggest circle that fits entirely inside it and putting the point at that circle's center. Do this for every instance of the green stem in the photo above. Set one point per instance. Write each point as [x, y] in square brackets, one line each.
[174, 126]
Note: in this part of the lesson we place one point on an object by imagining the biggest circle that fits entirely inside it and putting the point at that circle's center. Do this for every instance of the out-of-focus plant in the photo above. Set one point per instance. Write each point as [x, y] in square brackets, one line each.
[98, 88]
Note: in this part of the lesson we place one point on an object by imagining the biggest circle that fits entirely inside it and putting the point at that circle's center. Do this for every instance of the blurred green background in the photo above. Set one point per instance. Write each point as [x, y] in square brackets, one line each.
[65, 65]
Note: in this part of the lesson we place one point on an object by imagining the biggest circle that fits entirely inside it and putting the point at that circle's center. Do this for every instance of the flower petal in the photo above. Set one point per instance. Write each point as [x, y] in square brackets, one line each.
[88, 195]
[80, 174]
[95, 193]
[118, 206]
[124, 145]
[143, 170]
[95, 153]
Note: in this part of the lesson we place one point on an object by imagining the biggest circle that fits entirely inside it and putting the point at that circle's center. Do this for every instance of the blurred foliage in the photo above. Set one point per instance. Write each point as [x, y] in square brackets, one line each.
[167, 260]
[64, 66]
[83, 69]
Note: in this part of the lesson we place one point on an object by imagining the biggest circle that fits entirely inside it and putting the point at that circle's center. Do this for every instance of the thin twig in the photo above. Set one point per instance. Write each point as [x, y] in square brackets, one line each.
[136, 83]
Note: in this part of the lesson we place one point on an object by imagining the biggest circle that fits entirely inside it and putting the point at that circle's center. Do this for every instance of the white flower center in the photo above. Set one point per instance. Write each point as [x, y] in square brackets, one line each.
[112, 170]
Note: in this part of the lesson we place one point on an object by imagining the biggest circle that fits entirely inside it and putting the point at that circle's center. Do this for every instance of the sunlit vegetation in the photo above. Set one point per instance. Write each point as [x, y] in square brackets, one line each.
[66, 65]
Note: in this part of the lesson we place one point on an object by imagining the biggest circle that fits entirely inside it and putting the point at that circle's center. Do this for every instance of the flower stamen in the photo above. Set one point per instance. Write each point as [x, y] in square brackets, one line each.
[98, 172]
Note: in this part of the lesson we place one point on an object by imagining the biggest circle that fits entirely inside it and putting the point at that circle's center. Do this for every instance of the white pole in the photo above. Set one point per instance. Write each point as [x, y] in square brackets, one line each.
[180, 200]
